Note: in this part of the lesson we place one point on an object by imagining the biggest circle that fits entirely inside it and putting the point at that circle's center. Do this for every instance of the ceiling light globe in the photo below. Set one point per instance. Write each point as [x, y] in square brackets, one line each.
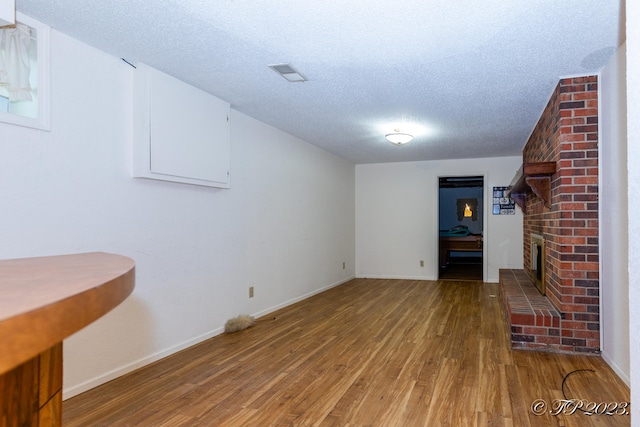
[399, 138]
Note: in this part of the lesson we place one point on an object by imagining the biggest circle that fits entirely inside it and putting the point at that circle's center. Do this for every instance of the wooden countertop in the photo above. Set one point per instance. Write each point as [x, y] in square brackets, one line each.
[44, 300]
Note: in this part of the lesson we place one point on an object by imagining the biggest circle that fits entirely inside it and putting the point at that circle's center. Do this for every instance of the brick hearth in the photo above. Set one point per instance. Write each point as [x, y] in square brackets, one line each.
[534, 321]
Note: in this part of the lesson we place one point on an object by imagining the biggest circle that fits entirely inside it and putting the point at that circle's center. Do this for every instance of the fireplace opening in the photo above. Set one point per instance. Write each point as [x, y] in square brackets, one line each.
[537, 262]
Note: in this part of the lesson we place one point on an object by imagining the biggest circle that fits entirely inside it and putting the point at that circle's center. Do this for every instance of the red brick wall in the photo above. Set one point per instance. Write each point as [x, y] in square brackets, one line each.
[567, 133]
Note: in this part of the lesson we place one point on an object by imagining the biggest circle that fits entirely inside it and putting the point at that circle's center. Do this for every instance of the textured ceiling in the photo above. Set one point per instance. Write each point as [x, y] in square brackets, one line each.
[468, 78]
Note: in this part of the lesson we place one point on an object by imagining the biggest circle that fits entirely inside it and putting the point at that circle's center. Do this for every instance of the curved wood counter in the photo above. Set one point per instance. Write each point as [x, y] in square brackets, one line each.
[42, 301]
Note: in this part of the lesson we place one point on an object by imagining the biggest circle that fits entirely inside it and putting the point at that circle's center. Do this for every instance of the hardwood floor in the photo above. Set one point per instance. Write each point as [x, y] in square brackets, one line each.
[367, 353]
[464, 269]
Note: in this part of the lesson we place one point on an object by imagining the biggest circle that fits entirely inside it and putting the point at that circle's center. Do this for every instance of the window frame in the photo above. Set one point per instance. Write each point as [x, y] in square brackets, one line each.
[43, 52]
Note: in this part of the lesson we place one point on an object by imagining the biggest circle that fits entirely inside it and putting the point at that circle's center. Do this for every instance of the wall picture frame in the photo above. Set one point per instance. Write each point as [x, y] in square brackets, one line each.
[502, 203]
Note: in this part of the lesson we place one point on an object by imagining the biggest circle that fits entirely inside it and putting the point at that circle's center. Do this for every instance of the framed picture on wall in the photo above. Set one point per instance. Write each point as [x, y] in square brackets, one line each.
[502, 203]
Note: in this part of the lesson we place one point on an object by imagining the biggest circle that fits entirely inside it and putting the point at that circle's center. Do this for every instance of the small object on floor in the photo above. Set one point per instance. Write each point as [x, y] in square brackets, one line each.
[239, 323]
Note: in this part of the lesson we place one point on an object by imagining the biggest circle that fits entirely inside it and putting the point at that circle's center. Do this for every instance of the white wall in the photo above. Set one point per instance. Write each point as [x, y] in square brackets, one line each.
[614, 275]
[633, 159]
[397, 217]
[285, 227]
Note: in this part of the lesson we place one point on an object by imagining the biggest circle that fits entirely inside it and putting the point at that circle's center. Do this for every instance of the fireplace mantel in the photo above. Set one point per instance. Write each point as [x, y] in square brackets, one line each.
[535, 177]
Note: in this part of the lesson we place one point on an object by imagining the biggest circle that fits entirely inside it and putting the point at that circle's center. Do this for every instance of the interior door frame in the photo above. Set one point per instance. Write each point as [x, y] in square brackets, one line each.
[486, 206]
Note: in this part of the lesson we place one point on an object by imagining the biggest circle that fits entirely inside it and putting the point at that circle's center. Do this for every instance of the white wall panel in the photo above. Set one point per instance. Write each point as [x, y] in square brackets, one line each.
[614, 219]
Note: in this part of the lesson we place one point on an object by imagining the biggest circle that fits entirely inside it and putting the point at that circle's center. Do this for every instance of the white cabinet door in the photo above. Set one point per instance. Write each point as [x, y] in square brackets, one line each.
[181, 132]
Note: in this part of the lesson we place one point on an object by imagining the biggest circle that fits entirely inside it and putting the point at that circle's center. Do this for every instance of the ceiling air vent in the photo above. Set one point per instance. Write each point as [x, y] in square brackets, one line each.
[288, 72]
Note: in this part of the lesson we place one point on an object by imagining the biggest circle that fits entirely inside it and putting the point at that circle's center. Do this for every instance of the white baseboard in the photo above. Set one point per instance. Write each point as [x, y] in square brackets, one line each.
[301, 298]
[118, 372]
[624, 376]
[69, 392]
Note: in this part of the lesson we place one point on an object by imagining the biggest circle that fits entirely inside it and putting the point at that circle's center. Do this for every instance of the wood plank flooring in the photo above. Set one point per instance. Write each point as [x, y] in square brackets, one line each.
[461, 271]
[367, 353]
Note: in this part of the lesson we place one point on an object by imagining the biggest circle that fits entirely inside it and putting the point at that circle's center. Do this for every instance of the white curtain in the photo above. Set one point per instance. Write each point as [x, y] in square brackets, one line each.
[14, 62]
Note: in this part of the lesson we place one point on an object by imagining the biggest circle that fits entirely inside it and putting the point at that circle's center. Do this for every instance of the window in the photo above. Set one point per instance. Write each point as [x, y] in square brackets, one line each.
[31, 107]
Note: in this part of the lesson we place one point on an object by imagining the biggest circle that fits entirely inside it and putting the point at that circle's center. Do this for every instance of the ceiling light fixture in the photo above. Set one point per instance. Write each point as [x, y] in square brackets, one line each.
[288, 72]
[398, 138]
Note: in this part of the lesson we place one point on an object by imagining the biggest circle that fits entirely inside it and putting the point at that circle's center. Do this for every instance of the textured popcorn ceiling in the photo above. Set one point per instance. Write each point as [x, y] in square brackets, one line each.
[468, 78]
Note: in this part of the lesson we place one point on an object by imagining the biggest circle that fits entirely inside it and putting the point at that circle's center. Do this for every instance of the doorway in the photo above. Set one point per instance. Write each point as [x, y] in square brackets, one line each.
[460, 224]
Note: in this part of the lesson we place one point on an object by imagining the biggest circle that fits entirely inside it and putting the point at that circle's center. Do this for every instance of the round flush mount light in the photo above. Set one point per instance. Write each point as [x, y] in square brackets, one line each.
[398, 138]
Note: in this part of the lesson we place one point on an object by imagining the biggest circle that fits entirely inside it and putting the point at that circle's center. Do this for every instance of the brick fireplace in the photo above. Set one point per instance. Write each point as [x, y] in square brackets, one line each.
[561, 207]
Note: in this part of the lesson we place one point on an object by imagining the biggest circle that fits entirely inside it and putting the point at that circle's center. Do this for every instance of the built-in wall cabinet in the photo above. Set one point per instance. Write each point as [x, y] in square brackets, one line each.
[181, 133]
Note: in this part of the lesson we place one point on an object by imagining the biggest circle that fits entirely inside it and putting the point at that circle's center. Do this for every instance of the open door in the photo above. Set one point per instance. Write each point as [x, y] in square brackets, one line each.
[460, 222]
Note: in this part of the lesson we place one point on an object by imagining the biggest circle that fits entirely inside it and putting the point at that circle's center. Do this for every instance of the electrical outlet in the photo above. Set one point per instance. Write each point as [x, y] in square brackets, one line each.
[421, 263]
[250, 291]
[344, 265]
